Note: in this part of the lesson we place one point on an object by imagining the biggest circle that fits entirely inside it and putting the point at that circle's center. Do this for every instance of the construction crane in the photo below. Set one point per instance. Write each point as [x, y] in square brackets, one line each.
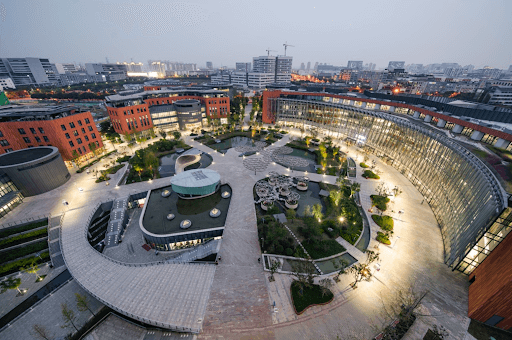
[268, 51]
[285, 46]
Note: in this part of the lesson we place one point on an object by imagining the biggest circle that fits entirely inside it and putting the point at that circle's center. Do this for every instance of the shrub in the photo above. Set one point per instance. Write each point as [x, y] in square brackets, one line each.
[15, 266]
[311, 295]
[370, 174]
[383, 238]
[23, 251]
[379, 202]
[331, 171]
[123, 159]
[318, 249]
[288, 251]
[385, 222]
[363, 165]
[11, 231]
[19, 239]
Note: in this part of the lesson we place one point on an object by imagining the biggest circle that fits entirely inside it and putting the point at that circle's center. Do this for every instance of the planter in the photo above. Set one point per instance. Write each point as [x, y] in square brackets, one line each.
[291, 206]
[265, 206]
[302, 187]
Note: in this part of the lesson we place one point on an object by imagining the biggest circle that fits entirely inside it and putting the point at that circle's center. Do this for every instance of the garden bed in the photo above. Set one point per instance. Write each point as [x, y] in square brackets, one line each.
[311, 296]
[368, 174]
[19, 239]
[15, 230]
[385, 222]
[15, 266]
[383, 238]
[380, 202]
[319, 249]
[23, 251]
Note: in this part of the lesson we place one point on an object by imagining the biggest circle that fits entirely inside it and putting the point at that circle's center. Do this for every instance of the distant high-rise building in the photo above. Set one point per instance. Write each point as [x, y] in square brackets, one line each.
[30, 71]
[209, 65]
[309, 66]
[509, 68]
[396, 65]
[279, 68]
[66, 68]
[316, 66]
[112, 72]
[302, 66]
[158, 67]
[355, 64]
[133, 67]
[243, 67]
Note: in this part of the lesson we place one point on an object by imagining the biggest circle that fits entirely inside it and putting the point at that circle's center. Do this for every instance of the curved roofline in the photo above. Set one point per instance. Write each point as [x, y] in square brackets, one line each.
[10, 154]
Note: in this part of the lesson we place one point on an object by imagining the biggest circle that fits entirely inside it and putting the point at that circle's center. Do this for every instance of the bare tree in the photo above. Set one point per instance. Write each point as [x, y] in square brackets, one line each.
[340, 267]
[68, 315]
[274, 266]
[33, 268]
[304, 274]
[40, 332]
[382, 190]
[83, 303]
[326, 285]
[396, 190]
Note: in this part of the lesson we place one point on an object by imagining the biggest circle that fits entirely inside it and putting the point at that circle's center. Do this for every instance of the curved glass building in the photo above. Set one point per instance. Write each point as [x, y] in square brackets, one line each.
[463, 193]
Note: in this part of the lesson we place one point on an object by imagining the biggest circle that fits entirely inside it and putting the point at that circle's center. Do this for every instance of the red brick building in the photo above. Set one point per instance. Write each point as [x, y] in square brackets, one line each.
[136, 111]
[64, 127]
[490, 290]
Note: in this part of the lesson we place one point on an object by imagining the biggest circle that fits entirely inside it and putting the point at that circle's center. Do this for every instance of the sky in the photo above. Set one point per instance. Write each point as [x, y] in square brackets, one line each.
[224, 31]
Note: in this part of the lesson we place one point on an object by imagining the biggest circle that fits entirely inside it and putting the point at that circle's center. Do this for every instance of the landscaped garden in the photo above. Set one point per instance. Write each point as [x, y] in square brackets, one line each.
[330, 157]
[380, 202]
[304, 296]
[368, 174]
[105, 173]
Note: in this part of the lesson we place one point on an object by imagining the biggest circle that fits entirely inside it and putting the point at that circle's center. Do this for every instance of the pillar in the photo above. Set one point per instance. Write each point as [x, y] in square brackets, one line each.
[377, 107]
[441, 123]
[391, 109]
[428, 119]
[363, 105]
[477, 135]
[351, 102]
[457, 128]
[502, 143]
[416, 114]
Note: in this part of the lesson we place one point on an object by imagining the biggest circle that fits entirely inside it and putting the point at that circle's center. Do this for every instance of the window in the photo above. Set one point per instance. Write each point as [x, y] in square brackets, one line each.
[26, 139]
[75, 132]
[71, 143]
[38, 140]
[8, 150]
[40, 129]
[86, 138]
[4, 142]
[22, 131]
[83, 148]
[83, 130]
[87, 121]
[67, 135]
[79, 150]
[72, 125]
[79, 122]
[90, 128]
[79, 140]
[63, 127]
[33, 130]
[1, 134]
[46, 139]
[93, 135]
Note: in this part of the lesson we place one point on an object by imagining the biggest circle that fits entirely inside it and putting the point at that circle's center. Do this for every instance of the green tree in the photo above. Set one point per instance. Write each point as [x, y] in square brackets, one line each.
[75, 156]
[308, 140]
[291, 214]
[150, 161]
[335, 151]
[323, 151]
[68, 315]
[92, 147]
[274, 266]
[340, 266]
[317, 211]
[32, 268]
[10, 283]
[335, 197]
[83, 303]
[176, 135]
[354, 187]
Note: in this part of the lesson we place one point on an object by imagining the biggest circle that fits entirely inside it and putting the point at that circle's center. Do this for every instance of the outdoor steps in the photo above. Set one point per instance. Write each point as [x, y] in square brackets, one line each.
[116, 222]
[198, 252]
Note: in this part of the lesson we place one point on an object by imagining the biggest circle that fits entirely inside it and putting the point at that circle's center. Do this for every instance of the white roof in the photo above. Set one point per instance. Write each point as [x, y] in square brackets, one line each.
[196, 178]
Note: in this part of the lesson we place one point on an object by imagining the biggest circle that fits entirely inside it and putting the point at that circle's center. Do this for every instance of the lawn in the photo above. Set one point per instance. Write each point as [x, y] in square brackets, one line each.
[19, 239]
[370, 174]
[318, 249]
[380, 202]
[16, 230]
[311, 295]
[385, 222]
[199, 205]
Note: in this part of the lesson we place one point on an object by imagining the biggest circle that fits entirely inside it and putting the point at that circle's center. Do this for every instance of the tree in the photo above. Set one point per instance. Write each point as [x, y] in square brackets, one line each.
[326, 285]
[92, 147]
[10, 283]
[382, 190]
[291, 214]
[302, 131]
[335, 197]
[335, 151]
[396, 190]
[304, 274]
[360, 271]
[354, 187]
[139, 169]
[68, 315]
[371, 256]
[40, 332]
[83, 303]
[307, 140]
[323, 151]
[176, 135]
[150, 161]
[33, 268]
[340, 267]
[162, 133]
[317, 211]
[75, 156]
[274, 266]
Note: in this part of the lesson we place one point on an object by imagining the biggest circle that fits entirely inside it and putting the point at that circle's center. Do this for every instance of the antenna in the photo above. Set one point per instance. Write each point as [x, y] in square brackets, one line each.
[285, 46]
[269, 50]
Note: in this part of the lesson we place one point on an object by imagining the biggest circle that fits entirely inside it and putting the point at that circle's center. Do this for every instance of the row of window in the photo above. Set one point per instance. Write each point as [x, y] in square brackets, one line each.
[72, 125]
[38, 140]
[79, 140]
[82, 150]
[22, 131]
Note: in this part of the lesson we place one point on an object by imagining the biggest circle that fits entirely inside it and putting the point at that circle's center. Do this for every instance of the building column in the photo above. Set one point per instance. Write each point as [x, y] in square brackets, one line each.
[351, 102]
[477, 135]
[457, 128]
[441, 123]
[416, 114]
[502, 143]
[363, 105]
[391, 109]
[377, 107]
[428, 119]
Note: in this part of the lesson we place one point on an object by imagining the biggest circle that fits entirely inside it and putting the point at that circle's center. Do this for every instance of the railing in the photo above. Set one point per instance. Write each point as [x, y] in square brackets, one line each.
[25, 221]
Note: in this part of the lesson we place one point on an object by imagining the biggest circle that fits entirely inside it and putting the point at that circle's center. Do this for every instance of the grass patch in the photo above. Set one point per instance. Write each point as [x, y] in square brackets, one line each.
[123, 159]
[383, 238]
[311, 295]
[23, 251]
[380, 202]
[385, 222]
[318, 249]
[370, 174]
[363, 165]
[104, 173]
[15, 266]
[16, 230]
[19, 239]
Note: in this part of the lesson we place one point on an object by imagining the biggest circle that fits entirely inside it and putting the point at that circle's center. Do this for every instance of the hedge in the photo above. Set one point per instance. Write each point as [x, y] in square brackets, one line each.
[379, 202]
[19, 239]
[11, 231]
[15, 266]
[23, 251]
[363, 165]
[382, 238]
[370, 174]
[385, 222]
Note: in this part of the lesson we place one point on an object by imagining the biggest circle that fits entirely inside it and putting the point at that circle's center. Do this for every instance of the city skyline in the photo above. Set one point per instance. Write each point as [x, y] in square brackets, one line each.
[230, 32]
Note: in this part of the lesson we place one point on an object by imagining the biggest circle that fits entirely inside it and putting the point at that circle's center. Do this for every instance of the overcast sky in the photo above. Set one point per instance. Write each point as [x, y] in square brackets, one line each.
[477, 32]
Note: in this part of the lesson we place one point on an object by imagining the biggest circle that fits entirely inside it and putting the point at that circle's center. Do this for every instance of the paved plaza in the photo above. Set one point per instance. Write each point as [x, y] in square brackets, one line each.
[235, 300]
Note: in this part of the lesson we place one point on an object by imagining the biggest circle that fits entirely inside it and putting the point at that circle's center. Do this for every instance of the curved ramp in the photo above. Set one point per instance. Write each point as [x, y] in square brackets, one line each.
[191, 157]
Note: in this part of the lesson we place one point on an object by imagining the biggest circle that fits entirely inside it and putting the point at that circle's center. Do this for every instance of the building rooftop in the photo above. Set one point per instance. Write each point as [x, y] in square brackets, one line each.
[196, 178]
[25, 155]
[162, 93]
[22, 112]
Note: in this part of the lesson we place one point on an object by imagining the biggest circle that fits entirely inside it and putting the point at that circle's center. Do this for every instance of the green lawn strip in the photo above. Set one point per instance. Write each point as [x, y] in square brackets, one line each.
[15, 266]
[318, 249]
[379, 202]
[104, 173]
[363, 165]
[370, 174]
[18, 239]
[123, 159]
[382, 238]
[385, 222]
[16, 230]
[23, 251]
[311, 295]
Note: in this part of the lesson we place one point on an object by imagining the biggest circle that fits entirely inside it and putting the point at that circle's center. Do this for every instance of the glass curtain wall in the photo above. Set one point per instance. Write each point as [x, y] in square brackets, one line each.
[464, 195]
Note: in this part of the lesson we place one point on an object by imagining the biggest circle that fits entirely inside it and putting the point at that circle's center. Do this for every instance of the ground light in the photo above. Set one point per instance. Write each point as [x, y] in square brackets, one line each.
[342, 219]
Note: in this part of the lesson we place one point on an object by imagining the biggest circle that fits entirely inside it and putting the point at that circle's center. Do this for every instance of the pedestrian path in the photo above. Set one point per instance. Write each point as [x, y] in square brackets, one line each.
[356, 253]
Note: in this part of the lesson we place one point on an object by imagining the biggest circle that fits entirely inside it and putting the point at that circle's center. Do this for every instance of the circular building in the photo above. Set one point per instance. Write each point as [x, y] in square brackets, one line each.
[189, 113]
[195, 183]
[36, 170]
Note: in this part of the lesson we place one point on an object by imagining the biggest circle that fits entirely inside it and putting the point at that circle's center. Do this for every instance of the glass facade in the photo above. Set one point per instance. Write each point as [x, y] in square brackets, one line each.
[10, 197]
[463, 193]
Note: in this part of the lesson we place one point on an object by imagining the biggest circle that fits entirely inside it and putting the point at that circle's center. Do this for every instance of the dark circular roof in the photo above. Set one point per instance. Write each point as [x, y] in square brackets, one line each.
[186, 102]
[25, 155]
